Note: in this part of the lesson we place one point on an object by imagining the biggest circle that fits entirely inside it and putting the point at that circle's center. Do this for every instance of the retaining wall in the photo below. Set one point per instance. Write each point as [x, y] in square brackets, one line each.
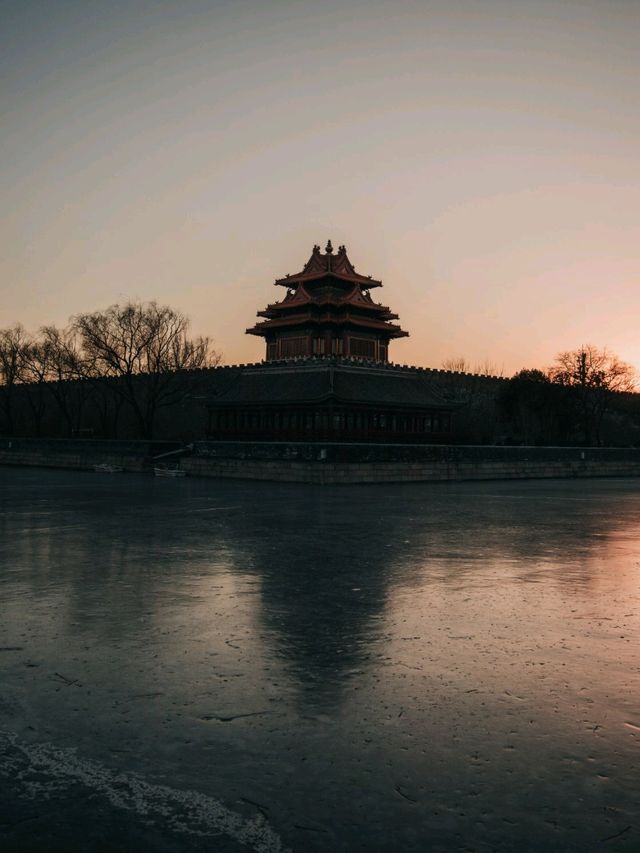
[333, 463]
[531, 465]
[80, 454]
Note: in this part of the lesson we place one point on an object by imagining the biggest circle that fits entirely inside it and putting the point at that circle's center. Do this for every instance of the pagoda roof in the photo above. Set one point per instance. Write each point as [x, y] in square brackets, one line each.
[321, 265]
[392, 329]
[354, 297]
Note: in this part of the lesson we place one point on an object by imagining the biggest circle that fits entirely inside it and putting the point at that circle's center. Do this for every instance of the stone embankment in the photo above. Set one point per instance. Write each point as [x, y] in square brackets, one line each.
[405, 463]
[81, 454]
[332, 462]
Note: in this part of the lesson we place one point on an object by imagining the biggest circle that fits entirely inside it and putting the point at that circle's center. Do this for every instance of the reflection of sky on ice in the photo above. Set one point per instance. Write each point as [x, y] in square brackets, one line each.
[461, 656]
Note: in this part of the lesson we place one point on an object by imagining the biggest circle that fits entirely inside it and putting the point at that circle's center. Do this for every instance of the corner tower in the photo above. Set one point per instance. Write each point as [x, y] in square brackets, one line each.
[327, 311]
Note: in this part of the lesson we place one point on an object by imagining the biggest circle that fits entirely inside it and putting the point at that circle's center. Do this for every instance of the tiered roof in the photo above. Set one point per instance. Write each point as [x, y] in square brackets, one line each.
[319, 266]
[328, 290]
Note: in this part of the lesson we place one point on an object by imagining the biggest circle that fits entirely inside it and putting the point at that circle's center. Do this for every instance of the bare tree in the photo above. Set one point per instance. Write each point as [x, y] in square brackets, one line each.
[13, 342]
[467, 387]
[67, 372]
[592, 376]
[127, 342]
[456, 365]
[486, 367]
[34, 375]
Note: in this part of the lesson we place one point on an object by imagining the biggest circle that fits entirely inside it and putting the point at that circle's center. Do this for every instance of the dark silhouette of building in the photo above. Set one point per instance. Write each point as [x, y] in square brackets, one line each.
[326, 375]
[328, 310]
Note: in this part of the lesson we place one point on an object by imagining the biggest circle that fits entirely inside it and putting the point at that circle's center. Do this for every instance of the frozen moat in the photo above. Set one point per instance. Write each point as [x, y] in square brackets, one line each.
[191, 665]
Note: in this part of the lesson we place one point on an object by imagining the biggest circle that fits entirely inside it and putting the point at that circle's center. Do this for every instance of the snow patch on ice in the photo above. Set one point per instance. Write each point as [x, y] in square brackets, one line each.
[184, 811]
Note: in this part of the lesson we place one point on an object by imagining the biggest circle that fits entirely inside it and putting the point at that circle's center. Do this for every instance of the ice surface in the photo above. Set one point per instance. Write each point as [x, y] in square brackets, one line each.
[208, 665]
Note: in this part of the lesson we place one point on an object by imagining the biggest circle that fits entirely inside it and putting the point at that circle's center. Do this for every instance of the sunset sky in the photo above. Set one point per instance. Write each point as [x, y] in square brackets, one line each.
[482, 157]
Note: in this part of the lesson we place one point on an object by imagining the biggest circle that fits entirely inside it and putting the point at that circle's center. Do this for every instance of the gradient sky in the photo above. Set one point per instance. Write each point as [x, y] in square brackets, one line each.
[482, 157]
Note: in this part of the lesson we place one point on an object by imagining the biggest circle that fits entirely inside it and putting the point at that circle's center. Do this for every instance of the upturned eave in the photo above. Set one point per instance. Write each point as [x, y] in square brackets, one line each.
[301, 278]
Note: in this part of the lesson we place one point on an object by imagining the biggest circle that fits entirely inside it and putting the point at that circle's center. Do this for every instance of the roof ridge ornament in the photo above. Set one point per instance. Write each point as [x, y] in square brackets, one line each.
[333, 262]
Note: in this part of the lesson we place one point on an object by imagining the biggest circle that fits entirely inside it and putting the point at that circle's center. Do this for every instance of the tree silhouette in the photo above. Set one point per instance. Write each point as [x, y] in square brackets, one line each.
[13, 342]
[126, 342]
[592, 376]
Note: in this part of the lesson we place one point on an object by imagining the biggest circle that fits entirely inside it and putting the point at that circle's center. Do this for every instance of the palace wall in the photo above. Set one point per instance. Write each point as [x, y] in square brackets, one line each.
[479, 416]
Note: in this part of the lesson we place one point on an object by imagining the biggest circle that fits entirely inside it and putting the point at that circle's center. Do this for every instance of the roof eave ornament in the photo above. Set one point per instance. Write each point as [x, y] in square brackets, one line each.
[329, 248]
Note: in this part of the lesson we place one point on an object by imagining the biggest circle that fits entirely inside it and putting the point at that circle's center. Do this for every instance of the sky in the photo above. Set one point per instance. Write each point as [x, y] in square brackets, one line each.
[481, 157]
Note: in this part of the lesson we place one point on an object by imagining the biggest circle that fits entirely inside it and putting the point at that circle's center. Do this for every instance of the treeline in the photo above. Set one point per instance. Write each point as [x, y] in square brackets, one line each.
[580, 399]
[133, 371]
[585, 398]
[121, 365]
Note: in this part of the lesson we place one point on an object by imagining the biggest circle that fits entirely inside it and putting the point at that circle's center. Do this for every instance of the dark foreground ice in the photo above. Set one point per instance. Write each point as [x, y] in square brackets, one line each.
[191, 665]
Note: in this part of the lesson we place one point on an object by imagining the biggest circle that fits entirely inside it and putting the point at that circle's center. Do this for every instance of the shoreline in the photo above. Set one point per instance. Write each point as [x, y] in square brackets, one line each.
[328, 462]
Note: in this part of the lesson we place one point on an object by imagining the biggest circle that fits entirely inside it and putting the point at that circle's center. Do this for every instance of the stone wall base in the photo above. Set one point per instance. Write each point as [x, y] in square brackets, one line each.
[400, 472]
[73, 461]
[299, 471]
